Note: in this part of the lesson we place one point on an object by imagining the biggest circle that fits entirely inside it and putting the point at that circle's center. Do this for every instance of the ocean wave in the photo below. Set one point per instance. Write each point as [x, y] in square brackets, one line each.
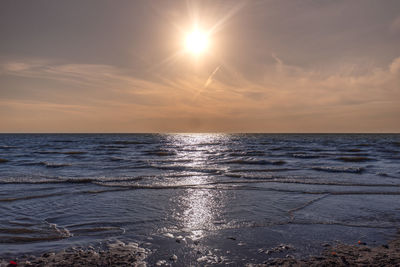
[46, 152]
[62, 152]
[193, 150]
[7, 147]
[364, 145]
[176, 160]
[352, 150]
[396, 144]
[143, 186]
[73, 152]
[243, 185]
[305, 156]
[96, 230]
[296, 180]
[263, 170]
[116, 159]
[162, 153]
[29, 180]
[130, 143]
[339, 169]
[354, 159]
[187, 168]
[209, 144]
[393, 157]
[338, 193]
[288, 148]
[3, 160]
[240, 183]
[109, 147]
[247, 153]
[387, 150]
[48, 164]
[318, 150]
[35, 231]
[278, 148]
[154, 180]
[11, 199]
[127, 167]
[255, 162]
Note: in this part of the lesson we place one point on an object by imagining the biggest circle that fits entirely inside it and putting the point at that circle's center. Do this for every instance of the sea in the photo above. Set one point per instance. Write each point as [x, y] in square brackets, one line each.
[214, 199]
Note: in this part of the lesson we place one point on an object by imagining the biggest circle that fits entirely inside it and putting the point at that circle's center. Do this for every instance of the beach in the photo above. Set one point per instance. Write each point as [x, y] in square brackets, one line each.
[121, 254]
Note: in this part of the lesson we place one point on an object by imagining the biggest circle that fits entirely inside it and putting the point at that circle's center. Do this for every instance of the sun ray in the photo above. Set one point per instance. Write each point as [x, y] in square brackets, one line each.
[218, 25]
[167, 61]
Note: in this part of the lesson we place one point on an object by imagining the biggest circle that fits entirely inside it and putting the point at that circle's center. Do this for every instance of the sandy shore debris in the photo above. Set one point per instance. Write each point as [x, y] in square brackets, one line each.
[345, 255]
[116, 254]
[130, 254]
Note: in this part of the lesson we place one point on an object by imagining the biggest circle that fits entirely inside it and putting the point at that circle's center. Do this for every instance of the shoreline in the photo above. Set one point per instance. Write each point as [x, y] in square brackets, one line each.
[131, 254]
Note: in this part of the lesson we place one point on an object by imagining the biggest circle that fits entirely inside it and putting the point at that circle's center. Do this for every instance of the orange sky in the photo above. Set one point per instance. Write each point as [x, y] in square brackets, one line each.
[272, 66]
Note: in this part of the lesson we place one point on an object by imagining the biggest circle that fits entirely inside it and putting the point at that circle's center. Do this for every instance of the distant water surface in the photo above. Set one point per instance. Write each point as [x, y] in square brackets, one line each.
[232, 195]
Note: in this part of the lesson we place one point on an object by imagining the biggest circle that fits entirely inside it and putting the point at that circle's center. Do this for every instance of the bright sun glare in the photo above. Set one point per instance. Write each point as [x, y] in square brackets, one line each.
[196, 42]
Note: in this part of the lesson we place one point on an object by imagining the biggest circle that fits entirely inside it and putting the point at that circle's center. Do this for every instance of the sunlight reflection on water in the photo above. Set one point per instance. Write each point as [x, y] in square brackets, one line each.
[198, 210]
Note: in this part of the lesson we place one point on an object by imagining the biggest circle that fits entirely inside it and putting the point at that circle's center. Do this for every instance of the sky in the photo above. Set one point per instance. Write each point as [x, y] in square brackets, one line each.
[270, 66]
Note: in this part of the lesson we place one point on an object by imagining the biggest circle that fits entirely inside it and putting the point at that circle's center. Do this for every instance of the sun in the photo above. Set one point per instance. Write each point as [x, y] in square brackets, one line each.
[196, 42]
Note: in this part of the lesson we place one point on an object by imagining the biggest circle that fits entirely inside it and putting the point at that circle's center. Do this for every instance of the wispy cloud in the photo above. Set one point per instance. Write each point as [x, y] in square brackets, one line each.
[287, 98]
[395, 26]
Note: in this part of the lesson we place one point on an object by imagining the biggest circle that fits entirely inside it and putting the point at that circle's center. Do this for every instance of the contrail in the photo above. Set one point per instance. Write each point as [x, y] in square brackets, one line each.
[210, 79]
[208, 82]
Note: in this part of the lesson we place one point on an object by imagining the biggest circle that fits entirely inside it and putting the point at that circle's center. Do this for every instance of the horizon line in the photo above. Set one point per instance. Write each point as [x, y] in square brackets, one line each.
[199, 132]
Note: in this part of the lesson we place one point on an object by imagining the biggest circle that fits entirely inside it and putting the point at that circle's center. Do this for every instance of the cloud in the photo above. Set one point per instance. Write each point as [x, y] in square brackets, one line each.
[395, 26]
[286, 99]
[395, 66]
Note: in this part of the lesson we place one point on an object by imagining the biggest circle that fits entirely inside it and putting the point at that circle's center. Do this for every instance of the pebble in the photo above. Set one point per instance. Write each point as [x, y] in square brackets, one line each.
[161, 262]
[173, 257]
[201, 259]
[169, 235]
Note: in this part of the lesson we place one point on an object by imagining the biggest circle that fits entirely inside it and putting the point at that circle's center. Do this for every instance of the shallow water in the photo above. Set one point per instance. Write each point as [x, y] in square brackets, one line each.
[227, 195]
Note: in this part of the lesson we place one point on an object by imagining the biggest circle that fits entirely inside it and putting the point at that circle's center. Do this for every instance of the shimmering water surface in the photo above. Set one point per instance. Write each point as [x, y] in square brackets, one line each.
[225, 195]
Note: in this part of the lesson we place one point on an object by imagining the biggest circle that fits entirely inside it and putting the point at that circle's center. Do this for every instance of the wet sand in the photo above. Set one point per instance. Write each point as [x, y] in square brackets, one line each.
[116, 254]
[131, 254]
[346, 255]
